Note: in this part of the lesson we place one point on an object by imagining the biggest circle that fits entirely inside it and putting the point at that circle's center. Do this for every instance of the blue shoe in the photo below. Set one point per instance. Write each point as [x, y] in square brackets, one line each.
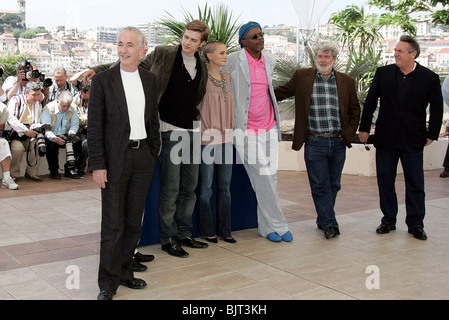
[287, 237]
[273, 236]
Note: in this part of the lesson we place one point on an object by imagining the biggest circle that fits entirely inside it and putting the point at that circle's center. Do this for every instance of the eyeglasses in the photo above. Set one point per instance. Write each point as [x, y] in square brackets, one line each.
[256, 36]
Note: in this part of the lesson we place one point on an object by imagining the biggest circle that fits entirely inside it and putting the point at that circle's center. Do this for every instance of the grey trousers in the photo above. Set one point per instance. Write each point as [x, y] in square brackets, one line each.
[258, 153]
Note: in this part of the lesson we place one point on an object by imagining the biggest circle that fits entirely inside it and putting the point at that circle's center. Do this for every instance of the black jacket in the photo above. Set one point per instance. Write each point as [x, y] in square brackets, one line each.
[404, 125]
[109, 126]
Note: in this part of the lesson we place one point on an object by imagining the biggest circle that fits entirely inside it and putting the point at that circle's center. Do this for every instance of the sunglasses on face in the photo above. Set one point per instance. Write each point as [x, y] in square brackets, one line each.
[256, 36]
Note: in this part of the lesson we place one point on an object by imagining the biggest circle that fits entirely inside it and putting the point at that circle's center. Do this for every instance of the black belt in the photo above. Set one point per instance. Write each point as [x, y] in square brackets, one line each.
[136, 144]
[325, 135]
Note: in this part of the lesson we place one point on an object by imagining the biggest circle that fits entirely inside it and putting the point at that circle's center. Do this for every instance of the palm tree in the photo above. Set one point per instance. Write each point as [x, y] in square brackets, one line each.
[9, 63]
[359, 30]
[222, 24]
[359, 37]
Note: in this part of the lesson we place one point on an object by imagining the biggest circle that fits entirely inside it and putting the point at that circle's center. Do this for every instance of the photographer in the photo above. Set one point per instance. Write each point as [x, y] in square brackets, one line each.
[60, 85]
[2, 92]
[5, 153]
[62, 117]
[15, 85]
[81, 101]
[24, 114]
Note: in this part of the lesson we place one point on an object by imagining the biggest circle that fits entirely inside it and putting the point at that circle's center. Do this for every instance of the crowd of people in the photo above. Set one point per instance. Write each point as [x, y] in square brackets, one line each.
[37, 120]
[188, 106]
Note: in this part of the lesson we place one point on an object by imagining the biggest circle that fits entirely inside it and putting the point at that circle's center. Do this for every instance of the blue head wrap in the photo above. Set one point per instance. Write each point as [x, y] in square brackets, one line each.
[245, 29]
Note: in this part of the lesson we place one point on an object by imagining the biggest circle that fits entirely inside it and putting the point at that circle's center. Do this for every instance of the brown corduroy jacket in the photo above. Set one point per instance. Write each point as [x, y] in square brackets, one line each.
[301, 86]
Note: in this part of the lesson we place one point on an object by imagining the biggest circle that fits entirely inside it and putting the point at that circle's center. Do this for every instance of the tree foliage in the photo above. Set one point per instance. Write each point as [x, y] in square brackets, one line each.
[360, 30]
[400, 12]
[9, 63]
[11, 20]
[221, 21]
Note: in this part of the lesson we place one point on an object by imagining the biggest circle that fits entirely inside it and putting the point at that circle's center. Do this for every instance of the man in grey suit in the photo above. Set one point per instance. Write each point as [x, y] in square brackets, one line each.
[257, 127]
[123, 145]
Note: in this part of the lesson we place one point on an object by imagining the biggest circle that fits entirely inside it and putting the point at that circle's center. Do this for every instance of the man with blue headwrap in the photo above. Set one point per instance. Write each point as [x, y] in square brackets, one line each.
[257, 130]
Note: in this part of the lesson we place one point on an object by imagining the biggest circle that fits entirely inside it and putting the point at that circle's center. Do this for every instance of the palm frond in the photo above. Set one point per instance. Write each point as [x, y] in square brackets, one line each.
[221, 21]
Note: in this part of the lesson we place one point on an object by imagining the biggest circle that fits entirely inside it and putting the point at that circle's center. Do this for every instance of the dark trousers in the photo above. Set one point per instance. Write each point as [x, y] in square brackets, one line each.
[446, 159]
[81, 153]
[123, 204]
[325, 159]
[412, 165]
[179, 178]
[53, 154]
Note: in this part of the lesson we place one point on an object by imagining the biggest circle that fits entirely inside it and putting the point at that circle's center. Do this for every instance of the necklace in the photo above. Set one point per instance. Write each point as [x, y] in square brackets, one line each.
[220, 84]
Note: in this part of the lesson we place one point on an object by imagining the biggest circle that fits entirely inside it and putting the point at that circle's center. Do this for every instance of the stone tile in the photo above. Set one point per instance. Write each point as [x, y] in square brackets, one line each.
[33, 261]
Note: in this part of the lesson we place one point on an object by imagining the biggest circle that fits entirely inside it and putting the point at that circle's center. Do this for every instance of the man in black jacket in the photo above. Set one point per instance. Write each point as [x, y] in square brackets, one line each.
[124, 142]
[405, 90]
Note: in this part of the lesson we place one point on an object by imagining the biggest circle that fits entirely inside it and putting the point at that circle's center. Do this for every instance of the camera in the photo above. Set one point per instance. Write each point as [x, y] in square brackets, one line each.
[36, 74]
[70, 139]
[41, 129]
[85, 87]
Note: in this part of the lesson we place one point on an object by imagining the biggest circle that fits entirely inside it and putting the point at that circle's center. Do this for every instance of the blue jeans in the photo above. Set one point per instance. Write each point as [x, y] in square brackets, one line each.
[412, 165]
[179, 177]
[223, 174]
[325, 159]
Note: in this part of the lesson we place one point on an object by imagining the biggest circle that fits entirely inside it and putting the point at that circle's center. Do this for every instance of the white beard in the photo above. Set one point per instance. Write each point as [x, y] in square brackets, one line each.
[325, 69]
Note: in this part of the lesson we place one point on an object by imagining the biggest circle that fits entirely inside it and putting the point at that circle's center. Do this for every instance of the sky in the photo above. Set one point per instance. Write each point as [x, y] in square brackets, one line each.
[89, 14]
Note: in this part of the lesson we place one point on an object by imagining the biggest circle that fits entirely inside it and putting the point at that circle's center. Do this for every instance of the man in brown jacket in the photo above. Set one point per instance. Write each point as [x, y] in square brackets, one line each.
[327, 116]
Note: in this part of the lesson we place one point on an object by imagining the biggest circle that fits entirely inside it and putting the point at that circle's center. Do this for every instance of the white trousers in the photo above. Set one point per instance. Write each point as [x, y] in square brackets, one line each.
[5, 152]
[259, 155]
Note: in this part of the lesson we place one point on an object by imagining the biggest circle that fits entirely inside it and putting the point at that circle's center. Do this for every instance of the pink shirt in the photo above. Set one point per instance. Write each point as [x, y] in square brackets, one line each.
[261, 112]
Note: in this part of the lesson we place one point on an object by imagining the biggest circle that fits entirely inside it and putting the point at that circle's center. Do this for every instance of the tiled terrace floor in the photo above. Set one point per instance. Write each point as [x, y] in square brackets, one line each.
[49, 226]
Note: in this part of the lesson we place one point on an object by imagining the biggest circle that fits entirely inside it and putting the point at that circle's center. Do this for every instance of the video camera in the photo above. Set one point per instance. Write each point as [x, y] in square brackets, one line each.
[36, 74]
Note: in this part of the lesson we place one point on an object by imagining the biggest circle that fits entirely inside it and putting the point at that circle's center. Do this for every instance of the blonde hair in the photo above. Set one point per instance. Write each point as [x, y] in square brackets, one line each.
[211, 47]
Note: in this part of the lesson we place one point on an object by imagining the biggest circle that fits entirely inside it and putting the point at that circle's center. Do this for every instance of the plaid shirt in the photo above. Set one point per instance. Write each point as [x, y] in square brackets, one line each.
[324, 113]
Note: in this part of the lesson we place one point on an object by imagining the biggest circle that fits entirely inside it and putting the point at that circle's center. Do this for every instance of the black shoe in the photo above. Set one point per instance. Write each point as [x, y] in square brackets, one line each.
[192, 243]
[418, 233]
[230, 240]
[173, 248]
[81, 173]
[134, 283]
[139, 257]
[105, 295]
[331, 232]
[213, 239]
[71, 174]
[138, 267]
[385, 228]
[55, 175]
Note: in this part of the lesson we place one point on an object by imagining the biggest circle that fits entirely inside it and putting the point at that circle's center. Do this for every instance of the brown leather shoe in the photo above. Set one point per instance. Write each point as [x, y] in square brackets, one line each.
[444, 174]
[34, 178]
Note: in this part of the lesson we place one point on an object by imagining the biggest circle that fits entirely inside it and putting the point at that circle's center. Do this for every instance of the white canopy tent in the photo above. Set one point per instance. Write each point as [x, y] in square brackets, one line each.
[309, 12]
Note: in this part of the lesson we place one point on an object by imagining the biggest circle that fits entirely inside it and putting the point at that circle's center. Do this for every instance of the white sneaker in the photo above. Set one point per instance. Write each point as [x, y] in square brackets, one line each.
[10, 184]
